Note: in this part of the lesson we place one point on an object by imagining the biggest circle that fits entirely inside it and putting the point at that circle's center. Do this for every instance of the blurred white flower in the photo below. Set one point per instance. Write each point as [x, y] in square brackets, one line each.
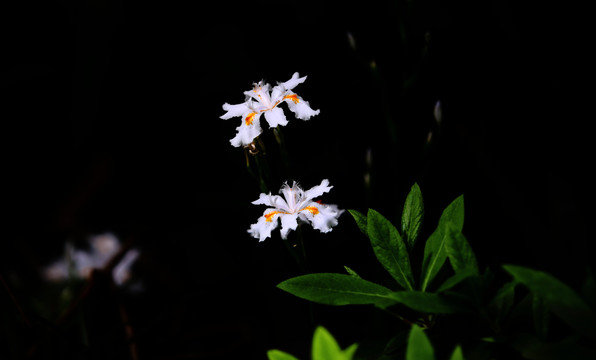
[438, 112]
[79, 264]
[295, 205]
[261, 100]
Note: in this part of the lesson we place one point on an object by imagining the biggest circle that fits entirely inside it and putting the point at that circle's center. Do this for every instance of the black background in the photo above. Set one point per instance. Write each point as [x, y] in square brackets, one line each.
[111, 123]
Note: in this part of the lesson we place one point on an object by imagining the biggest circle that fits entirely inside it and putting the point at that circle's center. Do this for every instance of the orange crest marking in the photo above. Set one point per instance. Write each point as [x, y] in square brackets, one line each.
[269, 217]
[313, 210]
[249, 119]
[292, 97]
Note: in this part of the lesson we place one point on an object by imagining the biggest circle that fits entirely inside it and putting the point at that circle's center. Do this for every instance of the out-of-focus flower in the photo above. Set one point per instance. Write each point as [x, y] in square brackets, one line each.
[295, 205]
[79, 264]
[438, 112]
[261, 100]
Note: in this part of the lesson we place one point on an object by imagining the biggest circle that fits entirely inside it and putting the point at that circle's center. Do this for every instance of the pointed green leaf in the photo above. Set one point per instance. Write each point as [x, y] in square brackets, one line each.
[390, 249]
[460, 253]
[457, 354]
[454, 213]
[435, 253]
[337, 289]
[419, 347]
[351, 272]
[562, 300]
[324, 346]
[279, 355]
[360, 219]
[430, 303]
[412, 215]
[350, 351]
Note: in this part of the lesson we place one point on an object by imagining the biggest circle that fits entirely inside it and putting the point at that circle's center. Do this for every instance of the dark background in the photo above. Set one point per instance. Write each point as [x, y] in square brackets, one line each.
[111, 124]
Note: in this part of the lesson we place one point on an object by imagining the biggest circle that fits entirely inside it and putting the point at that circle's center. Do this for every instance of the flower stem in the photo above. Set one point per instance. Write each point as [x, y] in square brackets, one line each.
[281, 141]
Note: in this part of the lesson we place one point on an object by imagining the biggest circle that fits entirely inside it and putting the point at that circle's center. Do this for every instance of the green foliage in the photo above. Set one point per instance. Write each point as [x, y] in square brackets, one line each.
[560, 299]
[279, 355]
[463, 290]
[393, 254]
[360, 221]
[390, 249]
[419, 347]
[457, 354]
[412, 216]
[429, 303]
[337, 289]
[460, 252]
[324, 347]
[435, 253]
[351, 272]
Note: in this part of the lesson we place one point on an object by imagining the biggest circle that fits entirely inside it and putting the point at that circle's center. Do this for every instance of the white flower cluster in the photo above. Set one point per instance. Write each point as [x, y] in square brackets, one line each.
[296, 205]
[79, 264]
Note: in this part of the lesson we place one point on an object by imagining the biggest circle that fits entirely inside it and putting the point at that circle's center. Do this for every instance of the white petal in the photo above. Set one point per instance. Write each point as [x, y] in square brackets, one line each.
[277, 93]
[247, 131]
[262, 229]
[288, 222]
[260, 93]
[325, 218]
[58, 271]
[121, 272]
[317, 191]
[293, 82]
[276, 117]
[300, 107]
[275, 201]
[235, 110]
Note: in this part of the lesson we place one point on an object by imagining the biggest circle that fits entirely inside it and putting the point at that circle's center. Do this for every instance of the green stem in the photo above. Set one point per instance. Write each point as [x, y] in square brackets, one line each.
[281, 141]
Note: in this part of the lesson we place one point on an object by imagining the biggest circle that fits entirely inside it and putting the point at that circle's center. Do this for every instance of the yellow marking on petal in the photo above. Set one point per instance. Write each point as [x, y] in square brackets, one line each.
[292, 97]
[269, 217]
[313, 210]
[249, 119]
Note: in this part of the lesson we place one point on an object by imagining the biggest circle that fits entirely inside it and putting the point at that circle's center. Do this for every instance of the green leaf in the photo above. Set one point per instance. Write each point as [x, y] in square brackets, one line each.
[419, 347]
[360, 219]
[412, 215]
[435, 253]
[337, 289]
[390, 249]
[430, 303]
[454, 213]
[279, 355]
[541, 316]
[351, 272]
[503, 300]
[350, 351]
[460, 253]
[457, 354]
[456, 279]
[562, 300]
[325, 347]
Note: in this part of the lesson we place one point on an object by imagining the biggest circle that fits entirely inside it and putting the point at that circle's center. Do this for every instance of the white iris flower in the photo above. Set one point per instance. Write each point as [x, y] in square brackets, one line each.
[295, 205]
[261, 100]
